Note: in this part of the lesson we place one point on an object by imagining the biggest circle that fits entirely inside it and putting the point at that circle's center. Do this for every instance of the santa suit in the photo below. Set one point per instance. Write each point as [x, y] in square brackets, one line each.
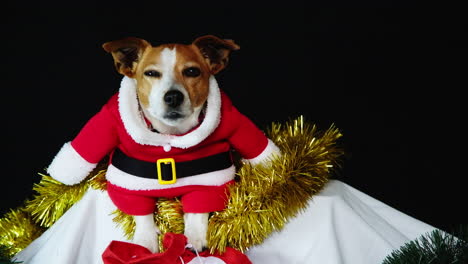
[119, 124]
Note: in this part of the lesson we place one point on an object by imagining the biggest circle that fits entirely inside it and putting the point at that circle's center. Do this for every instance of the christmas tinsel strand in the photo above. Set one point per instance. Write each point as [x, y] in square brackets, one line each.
[267, 196]
[17, 230]
[51, 200]
[54, 198]
[169, 216]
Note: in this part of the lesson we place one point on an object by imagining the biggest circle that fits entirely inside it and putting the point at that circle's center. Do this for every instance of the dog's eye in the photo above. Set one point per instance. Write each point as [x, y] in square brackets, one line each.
[192, 72]
[153, 73]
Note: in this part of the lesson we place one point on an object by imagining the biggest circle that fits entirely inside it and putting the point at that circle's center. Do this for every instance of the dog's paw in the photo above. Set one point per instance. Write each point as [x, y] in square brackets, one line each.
[196, 228]
[148, 240]
[151, 244]
[197, 240]
[146, 233]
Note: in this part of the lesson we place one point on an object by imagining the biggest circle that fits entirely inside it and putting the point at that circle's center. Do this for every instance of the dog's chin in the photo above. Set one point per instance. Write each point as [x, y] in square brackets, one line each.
[175, 123]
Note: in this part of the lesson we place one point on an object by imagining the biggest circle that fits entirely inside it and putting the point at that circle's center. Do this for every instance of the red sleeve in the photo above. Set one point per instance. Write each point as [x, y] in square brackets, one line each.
[98, 137]
[247, 138]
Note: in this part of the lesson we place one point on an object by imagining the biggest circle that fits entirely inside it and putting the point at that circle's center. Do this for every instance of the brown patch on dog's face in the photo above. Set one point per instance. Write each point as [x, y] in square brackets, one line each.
[145, 83]
[193, 73]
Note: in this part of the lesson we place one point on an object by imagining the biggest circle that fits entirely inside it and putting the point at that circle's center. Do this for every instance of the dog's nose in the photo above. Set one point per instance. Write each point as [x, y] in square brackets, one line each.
[173, 98]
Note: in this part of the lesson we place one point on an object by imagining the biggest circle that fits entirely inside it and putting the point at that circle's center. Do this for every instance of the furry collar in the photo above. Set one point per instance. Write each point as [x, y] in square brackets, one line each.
[136, 126]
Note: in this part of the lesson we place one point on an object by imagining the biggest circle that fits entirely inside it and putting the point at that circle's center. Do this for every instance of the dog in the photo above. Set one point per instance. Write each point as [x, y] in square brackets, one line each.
[169, 132]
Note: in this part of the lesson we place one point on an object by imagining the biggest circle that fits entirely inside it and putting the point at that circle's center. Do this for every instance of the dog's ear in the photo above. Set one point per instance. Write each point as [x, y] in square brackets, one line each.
[126, 53]
[216, 51]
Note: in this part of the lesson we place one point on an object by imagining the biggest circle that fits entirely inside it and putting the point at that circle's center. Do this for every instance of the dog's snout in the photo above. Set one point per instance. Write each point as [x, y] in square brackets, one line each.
[173, 98]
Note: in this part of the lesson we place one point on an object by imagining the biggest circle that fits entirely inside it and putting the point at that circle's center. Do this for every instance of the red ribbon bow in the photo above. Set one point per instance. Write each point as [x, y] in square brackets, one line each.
[119, 252]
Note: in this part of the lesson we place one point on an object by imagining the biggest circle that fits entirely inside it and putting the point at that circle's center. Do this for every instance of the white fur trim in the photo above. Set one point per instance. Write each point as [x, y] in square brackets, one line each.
[136, 127]
[69, 167]
[269, 152]
[131, 182]
[206, 260]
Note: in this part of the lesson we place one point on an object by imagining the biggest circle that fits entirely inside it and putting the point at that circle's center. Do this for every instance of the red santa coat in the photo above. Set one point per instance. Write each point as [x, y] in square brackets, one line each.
[119, 124]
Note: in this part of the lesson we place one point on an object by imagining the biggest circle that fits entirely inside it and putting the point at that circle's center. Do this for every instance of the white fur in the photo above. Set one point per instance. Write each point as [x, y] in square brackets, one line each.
[146, 232]
[196, 228]
[166, 126]
[207, 260]
[161, 86]
[136, 127]
[69, 167]
[268, 153]
[131, 182]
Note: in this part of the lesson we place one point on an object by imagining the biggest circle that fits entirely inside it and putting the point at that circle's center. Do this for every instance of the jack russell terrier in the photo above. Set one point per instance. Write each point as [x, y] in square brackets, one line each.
[169, 132]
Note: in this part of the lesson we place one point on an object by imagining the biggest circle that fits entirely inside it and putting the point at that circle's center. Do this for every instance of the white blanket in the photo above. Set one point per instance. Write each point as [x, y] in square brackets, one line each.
[341, 225]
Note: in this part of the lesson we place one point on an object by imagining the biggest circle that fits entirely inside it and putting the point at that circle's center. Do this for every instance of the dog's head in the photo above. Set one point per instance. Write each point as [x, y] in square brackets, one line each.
[172, 79]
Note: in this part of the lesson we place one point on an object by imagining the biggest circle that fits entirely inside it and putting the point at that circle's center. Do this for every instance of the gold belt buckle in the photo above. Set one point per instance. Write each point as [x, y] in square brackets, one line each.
[173, 170]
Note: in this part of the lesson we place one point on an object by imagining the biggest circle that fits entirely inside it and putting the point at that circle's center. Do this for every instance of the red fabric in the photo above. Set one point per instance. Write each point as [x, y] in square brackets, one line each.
[233, 256]
[195, 198]
[98, 137]
[105, 131]
[119, 252]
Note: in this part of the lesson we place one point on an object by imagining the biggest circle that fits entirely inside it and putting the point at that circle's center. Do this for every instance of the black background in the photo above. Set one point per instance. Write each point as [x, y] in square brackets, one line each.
[391, 76]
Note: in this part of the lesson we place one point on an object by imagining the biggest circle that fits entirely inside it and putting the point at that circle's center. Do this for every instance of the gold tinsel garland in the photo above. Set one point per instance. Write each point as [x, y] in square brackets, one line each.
[261, 202]
[17, 230]
[52, 199]
[267, 196]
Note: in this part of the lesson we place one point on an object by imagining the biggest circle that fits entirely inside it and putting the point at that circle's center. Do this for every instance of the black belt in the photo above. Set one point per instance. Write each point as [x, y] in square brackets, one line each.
[167, 171]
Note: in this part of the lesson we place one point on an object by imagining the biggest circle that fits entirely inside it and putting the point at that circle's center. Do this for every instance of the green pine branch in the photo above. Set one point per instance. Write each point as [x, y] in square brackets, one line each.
[436, 247]
[4, 257]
